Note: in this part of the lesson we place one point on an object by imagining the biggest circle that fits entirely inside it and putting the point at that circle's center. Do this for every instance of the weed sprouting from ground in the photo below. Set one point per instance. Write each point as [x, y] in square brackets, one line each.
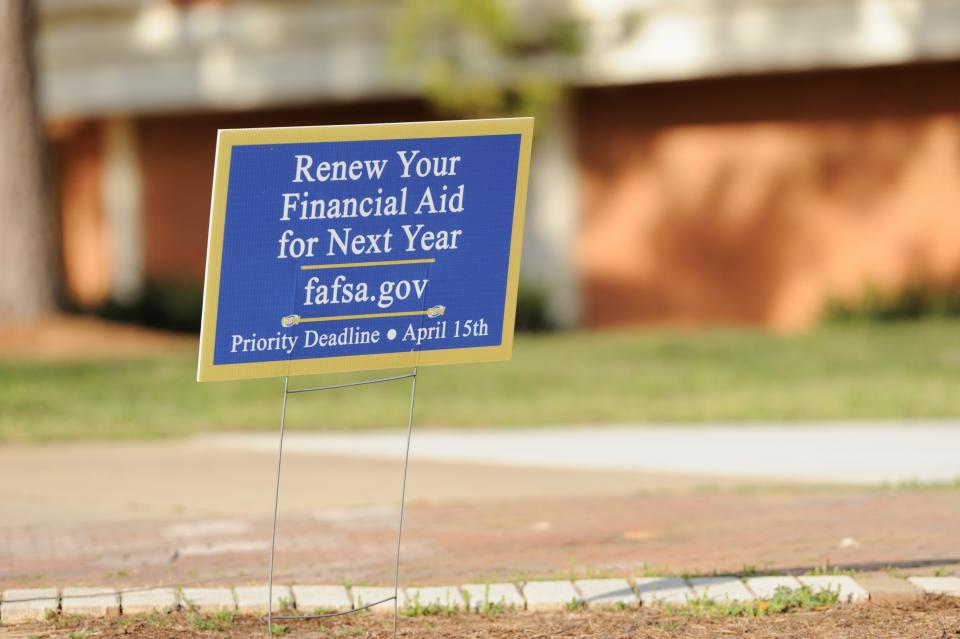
[650, 571]
[434, 608]
[826, 569]
[804, 598]
[486, 606]
[752, 570]
[217, 622]
[493, 607]
[784, 600]
[575, 604]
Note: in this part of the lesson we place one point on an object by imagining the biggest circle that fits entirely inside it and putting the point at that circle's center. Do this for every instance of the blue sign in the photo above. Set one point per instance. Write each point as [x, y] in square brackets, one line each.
[362, 247]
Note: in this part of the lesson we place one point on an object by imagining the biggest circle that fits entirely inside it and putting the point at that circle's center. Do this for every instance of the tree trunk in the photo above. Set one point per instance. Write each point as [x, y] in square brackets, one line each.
[27, 280]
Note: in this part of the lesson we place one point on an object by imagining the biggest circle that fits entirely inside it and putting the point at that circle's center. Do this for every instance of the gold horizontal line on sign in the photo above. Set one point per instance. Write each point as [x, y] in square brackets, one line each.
[316, 267]
[293, 320]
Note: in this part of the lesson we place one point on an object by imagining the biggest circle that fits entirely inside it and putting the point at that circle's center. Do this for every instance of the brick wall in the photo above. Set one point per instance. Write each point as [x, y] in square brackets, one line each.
[77, 164]
[748, 200]
[177, 156]
[754, 200]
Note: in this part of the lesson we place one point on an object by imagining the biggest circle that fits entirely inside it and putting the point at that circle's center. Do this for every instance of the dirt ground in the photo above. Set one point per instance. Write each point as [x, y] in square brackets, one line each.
[933, 618]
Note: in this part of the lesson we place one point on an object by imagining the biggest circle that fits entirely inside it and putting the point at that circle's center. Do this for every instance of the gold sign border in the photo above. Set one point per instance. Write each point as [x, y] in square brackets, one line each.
[228, 138]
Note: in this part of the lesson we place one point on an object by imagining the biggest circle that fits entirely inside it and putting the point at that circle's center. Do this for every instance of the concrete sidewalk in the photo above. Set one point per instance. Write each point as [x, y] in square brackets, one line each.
[204, 478]
[229, 475]
[845, 452]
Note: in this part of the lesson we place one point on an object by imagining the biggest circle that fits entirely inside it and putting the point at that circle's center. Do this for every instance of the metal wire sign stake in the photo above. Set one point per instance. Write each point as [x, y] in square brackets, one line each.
[403, 491]
[362, 247]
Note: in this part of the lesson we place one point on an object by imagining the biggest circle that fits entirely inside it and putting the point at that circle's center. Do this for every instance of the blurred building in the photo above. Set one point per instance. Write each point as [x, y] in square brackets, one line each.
[716, 161]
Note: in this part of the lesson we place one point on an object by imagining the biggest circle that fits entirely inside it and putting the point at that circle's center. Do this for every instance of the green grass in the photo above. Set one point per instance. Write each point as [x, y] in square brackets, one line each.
[835, 372]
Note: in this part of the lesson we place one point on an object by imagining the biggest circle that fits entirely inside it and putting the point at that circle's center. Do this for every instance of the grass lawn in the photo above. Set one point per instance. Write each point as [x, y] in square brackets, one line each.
[835, 372]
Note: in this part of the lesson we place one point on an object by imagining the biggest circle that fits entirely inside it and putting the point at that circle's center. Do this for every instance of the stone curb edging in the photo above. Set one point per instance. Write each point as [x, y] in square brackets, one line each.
[35, 604]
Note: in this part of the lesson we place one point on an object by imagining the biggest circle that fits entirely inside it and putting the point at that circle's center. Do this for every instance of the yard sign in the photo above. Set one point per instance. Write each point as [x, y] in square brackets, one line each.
[363, 247]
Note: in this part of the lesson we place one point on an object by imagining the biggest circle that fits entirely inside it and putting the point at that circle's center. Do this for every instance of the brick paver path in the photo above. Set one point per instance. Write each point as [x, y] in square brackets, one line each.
[469, 541]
